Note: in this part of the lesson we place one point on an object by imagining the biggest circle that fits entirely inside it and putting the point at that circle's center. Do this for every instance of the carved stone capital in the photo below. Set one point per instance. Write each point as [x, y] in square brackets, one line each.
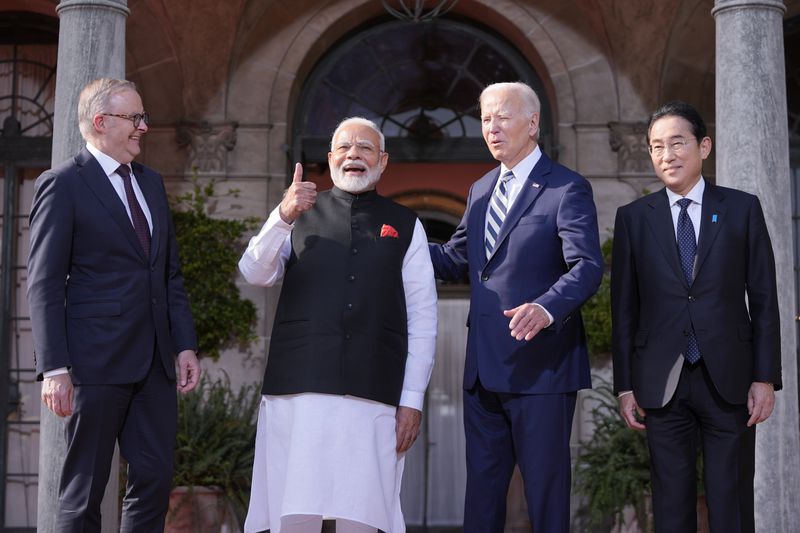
[208, 145]
[628, 140]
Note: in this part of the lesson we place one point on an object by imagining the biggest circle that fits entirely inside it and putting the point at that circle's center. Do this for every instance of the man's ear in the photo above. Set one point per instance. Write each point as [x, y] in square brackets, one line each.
[705, 147]
[99, 123]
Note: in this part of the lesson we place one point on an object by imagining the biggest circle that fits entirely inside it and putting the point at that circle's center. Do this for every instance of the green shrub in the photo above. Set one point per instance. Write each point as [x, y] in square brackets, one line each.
[210, 250]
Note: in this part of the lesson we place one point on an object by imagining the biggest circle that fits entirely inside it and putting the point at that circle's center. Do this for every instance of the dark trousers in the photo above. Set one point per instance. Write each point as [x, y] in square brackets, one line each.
[728, 458]
[531, 430]
[141, 416]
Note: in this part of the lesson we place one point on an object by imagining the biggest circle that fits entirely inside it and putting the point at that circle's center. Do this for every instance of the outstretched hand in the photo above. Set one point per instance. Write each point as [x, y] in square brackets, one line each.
[298, 198]
[527, 320]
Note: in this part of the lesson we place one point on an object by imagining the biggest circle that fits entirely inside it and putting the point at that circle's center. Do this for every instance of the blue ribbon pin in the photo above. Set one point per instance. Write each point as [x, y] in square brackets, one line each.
[714, 217]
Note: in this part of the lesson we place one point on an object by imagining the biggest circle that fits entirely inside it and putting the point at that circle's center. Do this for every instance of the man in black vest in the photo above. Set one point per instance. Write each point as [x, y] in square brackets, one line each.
[351, 350]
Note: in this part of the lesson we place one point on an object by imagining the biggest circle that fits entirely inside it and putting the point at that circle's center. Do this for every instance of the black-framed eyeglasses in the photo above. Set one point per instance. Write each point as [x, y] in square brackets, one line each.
[136, 119]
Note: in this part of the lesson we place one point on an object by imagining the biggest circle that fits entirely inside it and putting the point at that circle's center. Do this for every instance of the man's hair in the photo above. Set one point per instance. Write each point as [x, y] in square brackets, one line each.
[362, 122]
[529, 97]
[679, 108]
[95, 98]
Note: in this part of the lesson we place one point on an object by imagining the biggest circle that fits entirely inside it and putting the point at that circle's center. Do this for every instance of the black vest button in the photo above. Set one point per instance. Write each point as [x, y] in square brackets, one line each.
[349, 306]
[354, 251]
[351, 278]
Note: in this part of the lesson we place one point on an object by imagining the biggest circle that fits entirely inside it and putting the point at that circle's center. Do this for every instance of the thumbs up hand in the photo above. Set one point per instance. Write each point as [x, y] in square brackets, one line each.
[299, 197]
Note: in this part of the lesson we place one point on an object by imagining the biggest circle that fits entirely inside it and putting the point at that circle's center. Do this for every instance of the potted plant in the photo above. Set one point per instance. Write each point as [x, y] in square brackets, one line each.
[213, 455]
[613, 469]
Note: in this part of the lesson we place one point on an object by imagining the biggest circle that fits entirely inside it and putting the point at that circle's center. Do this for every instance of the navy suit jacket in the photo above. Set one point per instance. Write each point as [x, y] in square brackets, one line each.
[98, 305]
[654, 308]
[548, 252]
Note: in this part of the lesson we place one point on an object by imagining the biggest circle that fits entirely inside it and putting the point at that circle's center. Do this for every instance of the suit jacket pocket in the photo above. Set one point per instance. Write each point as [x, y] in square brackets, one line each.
[532, 219]
[93, 309]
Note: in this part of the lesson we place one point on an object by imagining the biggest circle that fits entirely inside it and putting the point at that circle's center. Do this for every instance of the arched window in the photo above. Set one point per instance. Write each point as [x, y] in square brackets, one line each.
[419, 82]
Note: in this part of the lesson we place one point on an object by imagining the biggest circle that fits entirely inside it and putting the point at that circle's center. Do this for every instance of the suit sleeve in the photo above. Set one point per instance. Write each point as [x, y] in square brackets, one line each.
[51, 234]
[450, 260]
[576, 221]
[180, 312]
[762, 298]
[624, 305]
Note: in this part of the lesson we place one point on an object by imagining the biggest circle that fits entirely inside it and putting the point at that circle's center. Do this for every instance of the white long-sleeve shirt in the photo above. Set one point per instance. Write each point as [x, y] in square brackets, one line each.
[264, 262]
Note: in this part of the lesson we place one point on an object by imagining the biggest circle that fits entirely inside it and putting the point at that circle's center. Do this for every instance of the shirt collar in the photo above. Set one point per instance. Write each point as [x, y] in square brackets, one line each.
[695, 194]
[107, 162]
[524, 168]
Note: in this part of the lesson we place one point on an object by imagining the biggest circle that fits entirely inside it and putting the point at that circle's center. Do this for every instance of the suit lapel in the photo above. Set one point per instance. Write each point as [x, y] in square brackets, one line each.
[95, 178]
[660, 220]
[533, 186]
[712, 218]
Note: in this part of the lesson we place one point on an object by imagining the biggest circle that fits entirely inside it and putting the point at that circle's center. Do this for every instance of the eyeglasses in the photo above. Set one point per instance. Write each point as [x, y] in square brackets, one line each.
[363, 148]
[676, 146]
[136, 119]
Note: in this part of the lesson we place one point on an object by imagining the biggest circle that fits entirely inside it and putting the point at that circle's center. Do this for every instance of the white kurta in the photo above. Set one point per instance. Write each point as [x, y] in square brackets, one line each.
[335, 455]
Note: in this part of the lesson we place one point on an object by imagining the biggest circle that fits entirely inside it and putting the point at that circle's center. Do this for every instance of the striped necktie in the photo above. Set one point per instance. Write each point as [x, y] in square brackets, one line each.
[498, 208]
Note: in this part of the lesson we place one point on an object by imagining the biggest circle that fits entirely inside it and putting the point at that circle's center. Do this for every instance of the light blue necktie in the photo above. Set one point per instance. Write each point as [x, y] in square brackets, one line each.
[498, 208]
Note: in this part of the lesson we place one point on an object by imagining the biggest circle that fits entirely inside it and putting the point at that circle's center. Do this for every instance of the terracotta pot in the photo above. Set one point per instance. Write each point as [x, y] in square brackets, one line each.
[195, 510]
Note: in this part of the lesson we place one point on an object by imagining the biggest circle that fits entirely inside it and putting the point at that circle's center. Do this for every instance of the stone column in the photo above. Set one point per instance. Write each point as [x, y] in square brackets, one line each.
[752, 151]
[91, 44]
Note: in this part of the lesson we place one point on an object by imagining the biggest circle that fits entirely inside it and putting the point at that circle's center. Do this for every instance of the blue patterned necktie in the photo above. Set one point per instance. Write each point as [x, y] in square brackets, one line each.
[687, 248]
[498, 208]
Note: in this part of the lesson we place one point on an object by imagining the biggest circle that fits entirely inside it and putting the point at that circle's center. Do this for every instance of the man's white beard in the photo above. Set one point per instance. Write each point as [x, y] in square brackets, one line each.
[355, 184]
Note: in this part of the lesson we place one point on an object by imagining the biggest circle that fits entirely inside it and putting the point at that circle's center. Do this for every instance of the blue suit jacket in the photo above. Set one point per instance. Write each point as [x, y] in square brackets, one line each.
[98, 305]
[548, 252]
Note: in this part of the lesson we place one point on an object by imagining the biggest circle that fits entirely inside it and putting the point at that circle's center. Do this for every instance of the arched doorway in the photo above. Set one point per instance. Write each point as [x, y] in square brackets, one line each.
[420, 83]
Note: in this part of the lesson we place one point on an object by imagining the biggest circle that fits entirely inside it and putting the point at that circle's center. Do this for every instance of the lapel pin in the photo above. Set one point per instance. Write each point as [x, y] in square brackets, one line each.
[534, 184]
[714, 218]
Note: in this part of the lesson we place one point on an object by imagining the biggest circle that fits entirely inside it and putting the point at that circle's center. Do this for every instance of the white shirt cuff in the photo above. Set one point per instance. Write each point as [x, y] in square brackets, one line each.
[55, 372]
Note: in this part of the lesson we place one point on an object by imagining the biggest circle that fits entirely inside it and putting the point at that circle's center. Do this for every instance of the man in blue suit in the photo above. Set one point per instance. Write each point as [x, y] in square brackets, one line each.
[696, 328]
[530, 243]
[109, 313]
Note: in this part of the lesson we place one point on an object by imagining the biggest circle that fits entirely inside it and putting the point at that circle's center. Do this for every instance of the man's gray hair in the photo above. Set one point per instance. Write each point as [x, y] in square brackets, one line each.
[529, 97]
[95, 98]
[362, 122]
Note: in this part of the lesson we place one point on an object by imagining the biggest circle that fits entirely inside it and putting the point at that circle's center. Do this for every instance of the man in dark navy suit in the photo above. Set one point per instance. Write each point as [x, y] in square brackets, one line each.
[109, 313]
[530, 244]
[696, 335]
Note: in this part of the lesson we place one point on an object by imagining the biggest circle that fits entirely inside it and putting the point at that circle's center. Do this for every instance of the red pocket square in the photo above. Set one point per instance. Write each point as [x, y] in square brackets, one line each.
[389, 231]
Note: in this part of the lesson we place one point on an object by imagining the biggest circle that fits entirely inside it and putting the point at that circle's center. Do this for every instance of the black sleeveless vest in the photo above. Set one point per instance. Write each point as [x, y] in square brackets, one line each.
[340, 327]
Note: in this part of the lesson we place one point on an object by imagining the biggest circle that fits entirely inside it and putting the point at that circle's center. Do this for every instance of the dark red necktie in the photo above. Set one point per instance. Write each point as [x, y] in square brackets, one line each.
[139, 220]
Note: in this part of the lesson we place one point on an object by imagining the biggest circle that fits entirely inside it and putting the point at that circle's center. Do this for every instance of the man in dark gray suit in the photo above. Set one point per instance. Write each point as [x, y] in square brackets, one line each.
[109, 313]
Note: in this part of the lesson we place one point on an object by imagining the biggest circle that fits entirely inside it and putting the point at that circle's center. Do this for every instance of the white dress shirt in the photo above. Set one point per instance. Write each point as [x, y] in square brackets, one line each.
[695, 209]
